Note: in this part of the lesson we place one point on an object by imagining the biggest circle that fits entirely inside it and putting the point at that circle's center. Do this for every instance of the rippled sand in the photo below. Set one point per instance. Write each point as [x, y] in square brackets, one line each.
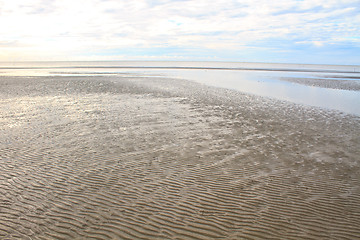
[150, 158]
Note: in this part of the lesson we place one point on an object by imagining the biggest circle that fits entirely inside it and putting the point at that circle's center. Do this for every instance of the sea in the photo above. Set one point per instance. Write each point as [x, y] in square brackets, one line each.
[262, 79]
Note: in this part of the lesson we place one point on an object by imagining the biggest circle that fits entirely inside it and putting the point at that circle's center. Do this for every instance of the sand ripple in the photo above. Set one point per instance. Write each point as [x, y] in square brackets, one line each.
[101, 159]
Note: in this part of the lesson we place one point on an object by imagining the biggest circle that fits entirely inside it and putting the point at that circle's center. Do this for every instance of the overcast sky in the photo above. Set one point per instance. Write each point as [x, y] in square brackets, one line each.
[295, 31]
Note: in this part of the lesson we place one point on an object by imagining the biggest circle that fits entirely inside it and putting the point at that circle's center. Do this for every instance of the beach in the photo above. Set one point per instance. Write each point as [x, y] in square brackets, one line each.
[135, 157]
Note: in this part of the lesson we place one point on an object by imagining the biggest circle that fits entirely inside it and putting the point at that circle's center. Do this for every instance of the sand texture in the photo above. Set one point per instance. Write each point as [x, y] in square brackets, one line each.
[112, 157]
[352, 85]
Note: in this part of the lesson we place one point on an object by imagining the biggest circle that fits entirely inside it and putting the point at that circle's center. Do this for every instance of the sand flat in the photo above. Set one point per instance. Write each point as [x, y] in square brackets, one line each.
[110, 157]
[325, 82]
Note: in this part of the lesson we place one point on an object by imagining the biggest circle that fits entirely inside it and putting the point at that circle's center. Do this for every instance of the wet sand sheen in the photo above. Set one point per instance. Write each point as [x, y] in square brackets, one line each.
[150, 158]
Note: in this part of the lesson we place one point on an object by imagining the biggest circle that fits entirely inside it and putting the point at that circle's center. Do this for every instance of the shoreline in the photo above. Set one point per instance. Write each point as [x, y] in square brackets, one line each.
[188, 68]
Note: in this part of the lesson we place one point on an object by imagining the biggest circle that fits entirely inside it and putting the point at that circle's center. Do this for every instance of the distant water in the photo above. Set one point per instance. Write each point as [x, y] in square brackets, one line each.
[263, 79]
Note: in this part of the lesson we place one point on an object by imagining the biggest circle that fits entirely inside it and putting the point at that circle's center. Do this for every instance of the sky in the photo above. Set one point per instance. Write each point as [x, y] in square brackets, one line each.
[284, 31]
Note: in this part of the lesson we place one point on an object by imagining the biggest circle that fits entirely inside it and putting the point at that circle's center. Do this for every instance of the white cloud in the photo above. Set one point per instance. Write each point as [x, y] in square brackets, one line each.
[67, 27]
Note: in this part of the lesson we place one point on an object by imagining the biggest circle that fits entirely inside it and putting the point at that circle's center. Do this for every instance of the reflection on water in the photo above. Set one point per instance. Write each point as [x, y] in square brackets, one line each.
[255, 81]
[268, 84]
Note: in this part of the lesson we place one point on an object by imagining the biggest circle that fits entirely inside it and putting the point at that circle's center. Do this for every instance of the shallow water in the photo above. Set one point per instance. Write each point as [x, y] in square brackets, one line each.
[253, 78]
[269, 84]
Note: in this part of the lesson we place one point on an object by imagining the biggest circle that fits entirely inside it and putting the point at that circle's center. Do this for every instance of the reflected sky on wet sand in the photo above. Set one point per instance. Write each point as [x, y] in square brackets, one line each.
[253, 78]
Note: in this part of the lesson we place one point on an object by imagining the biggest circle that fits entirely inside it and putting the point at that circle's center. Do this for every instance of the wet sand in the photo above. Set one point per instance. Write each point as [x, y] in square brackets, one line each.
[327, 83]
[111, 157]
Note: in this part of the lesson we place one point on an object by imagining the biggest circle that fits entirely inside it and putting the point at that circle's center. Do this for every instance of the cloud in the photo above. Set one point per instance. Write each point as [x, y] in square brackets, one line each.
[67, 27]
[9, 44]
